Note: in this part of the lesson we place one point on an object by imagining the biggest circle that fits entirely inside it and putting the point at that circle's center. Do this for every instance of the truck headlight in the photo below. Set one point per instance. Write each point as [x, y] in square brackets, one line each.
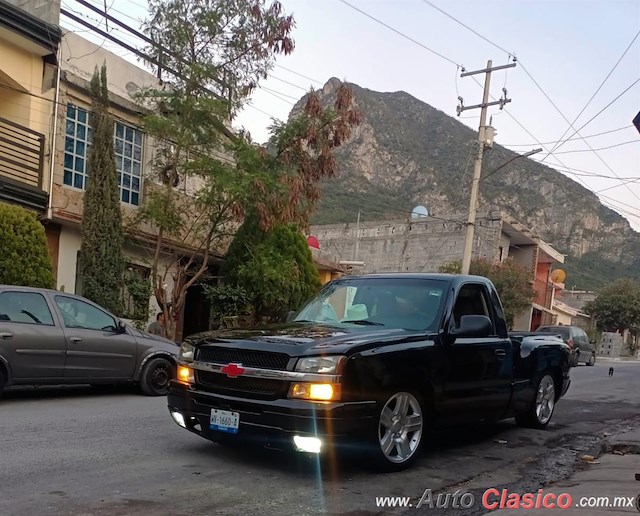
[187, 352]
[322, 365]
[315, 391]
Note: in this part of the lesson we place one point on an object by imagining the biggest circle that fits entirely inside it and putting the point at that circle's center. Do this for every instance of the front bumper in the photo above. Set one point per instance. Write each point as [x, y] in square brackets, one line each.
[275, 423]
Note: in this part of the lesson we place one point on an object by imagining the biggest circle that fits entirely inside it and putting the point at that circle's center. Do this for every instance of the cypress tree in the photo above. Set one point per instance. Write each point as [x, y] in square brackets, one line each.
[102, 263]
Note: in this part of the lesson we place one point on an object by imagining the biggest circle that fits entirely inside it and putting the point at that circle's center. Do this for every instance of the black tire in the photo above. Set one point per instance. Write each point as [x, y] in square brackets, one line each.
[155, 377]
[592, 360]
[401, 425]
[3, 380]
[541, 409]
[575, 358]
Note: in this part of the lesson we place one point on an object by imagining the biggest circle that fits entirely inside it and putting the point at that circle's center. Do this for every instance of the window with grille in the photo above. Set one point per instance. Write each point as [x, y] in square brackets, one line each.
[128, 154]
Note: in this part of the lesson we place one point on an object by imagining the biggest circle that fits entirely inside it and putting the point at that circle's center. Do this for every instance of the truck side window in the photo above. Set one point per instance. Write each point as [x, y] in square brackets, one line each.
[471, 300]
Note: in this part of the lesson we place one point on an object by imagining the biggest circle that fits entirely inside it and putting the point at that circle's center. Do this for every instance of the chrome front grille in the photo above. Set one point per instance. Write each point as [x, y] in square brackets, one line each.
[246, 387]
[246, 357]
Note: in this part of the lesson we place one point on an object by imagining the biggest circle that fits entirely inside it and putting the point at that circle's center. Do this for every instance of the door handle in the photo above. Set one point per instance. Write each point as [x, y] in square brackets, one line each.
[6, 335]
[500, 353]
[76, 339]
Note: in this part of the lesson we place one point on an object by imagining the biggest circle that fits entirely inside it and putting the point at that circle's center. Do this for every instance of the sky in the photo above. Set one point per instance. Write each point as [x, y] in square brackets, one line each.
[564, 50]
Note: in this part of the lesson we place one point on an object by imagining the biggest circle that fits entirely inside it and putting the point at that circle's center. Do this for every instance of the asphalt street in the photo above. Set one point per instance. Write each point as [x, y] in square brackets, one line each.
[78, 451]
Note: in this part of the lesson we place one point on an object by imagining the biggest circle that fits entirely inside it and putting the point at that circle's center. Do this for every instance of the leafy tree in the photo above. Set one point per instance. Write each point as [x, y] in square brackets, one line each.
[227, 301]
[212, 54]
[102, 233]
[274, 267]
[24, 259]
[215, 52]
[617, 306]
[512, 281]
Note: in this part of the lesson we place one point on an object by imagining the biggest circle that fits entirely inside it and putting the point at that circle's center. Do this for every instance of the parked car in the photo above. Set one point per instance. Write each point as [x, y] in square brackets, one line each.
[50, 337]
[370, 363]
[582, 349]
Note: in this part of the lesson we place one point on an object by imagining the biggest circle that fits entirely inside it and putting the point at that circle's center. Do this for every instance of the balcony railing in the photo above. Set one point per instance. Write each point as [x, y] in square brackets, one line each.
[21, 154]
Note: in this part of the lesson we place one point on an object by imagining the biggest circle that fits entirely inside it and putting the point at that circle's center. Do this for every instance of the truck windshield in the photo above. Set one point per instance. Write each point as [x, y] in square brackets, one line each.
[412, 304]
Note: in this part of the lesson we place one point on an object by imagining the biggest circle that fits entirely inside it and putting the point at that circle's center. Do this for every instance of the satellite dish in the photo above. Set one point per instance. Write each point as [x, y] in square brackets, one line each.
[558, 276]
[419, 212]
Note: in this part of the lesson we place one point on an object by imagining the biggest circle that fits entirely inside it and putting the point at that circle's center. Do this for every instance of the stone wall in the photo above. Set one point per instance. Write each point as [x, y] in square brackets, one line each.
[421, 245]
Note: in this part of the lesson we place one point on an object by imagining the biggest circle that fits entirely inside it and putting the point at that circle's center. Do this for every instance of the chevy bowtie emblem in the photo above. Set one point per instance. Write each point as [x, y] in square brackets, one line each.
[232, 370]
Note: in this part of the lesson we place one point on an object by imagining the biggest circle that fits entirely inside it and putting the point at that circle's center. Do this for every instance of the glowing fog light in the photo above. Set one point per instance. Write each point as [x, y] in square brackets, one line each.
[179, 419]
[185, 375]
[315, 391]
[307, 444]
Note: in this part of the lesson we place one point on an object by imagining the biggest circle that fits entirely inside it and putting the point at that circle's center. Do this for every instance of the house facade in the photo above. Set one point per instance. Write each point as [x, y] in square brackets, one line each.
[29, 43]
[425, 244]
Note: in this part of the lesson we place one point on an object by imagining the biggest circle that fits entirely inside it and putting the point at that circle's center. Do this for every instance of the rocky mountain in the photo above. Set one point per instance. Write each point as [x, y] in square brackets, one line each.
[406, 152]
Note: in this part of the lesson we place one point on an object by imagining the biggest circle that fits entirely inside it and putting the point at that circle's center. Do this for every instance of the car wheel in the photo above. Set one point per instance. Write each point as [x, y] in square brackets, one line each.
[156, 376]
[592, 359]
[399, 430]
[539, 413]
[3, 380]
[574, 359]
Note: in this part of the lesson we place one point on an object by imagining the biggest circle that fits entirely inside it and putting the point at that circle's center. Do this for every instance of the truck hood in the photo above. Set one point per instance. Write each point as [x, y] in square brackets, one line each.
[305, 339]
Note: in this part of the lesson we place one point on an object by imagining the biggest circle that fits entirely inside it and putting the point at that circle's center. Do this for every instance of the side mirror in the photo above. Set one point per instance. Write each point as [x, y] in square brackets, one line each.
[290, 316]
[473, 326]
[121, 327]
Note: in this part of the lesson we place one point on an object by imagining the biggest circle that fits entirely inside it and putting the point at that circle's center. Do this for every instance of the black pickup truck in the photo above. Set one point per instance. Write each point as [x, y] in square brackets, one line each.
[370, 364]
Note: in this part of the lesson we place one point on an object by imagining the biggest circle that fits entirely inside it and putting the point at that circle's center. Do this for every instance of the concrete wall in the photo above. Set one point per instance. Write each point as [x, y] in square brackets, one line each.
[401, 246]
[80, 57]
[25, 97]
[67, 259]
[70, 242]
[46, 10]
[523, 321]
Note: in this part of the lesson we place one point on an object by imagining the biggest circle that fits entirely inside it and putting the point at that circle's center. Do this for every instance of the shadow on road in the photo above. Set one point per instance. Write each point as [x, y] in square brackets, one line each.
[346, 463]
[45, 392]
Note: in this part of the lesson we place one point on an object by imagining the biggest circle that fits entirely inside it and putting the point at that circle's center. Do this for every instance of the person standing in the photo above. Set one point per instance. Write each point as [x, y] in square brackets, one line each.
[157, 327]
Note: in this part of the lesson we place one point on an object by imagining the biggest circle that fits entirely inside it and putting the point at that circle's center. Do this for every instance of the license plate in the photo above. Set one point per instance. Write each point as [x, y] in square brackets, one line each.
[224, 421]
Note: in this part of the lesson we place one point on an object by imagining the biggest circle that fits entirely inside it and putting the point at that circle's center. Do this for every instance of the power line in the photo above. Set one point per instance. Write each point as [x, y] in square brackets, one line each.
[605, 108]
[569, 139]
[296, 73]
[510, 54]
[595, 93]
[276, 95]
[599, 149]
[544, 92]
[289, 83]
[276, 92]
[401, 33]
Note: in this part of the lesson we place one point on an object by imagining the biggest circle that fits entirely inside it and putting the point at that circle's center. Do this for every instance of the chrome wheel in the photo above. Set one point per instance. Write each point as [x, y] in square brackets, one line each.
[545, 399]
[400, 427]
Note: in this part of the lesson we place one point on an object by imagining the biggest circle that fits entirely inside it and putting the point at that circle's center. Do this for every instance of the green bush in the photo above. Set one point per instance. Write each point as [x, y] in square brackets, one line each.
[24, 259]
[227, 300]
[275, 268]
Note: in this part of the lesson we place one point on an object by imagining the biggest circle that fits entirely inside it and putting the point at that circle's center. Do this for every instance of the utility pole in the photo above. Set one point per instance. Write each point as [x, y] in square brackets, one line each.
[356, 247]
[485, 139]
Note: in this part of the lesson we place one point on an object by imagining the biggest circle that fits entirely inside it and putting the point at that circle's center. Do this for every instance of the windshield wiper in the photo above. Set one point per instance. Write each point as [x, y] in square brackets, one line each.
[364, 322]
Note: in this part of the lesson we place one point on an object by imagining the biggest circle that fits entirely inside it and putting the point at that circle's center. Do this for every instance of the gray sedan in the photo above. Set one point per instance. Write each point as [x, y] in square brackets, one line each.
[51, 337]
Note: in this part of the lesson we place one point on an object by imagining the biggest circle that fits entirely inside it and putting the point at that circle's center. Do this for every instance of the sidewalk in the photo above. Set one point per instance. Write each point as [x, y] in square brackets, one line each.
[603, 358]
[609, 480]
